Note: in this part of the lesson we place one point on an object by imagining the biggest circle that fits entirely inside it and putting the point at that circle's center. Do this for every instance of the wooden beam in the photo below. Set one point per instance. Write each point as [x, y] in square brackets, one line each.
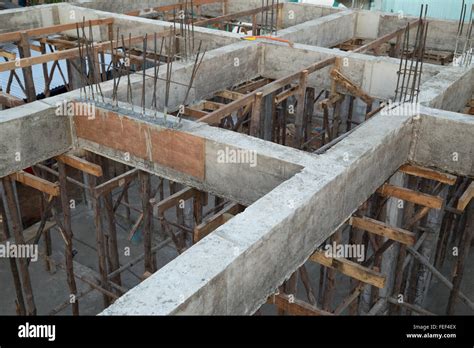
[350, 269]
[24, 50]
[405, 194]
[209, 105]
[145, 193]
[252, 86]
[466, 197]
[409, 306]
[294, 306]
[382, 229]
[286, 94]
[174, 200]
[29, 234]
[256, 115]
[351, 86]
[73, 52]
[54, 29]
[81, 164]
[232, 16]
[381, 40]
[6, 54]
[36, 183]
[230, 95]
[333, 99]
[194, 113]
[300, 114]
[67, 229]
[167, 8]
[218, 115]
[427, 173]
[212, 223]
[10, 101]
[119, 181]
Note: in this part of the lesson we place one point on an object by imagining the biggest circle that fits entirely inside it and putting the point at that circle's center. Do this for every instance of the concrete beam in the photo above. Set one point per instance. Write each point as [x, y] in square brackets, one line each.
[325, 31]
[235, 269]
[30, 134]
[444, 140]
[193, 154]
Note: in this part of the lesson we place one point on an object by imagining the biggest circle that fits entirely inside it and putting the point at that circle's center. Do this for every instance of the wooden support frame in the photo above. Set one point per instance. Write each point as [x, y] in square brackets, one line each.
[256, 115]
[382, 229]
[25, 53]
[212, 223]
[350, 269]
[294, 306]
[81, 164]
[168, 8]
[174, 200]
[234, 16]
[116, 182]
[423, 199]
[344, 81]
[300, 110]
[216, 116]
[67, 226]
[230, 95]
[427, 173]
[9, 100]
[16, 225]
[381, 40]
[74, 52]
[37, 183]
[466, 197]
[54, 29]
[145, 193]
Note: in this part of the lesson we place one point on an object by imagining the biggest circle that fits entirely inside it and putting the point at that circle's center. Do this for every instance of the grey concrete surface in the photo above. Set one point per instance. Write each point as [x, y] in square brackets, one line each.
[296, 199]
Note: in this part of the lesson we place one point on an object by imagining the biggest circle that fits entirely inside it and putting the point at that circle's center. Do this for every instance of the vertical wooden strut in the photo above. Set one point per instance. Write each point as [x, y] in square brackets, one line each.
[114, 261]
[11, 209]
[331, 278]
[20, 302]
[464, 246]
[256, 114]
[24, 50]
[145, 190]
[100, 240]
[68, 234]
[300, 110]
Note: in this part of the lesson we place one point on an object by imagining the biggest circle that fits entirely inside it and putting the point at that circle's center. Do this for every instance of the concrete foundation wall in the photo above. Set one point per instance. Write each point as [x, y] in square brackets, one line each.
[441, 33]
[449, 90]
[367, 25]
[30, 134]
[326, 31]
[123, 6]
[137, 26]
[294, 14]
[444, 140]
[218, 67]
[364, 71]
[28, 18]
